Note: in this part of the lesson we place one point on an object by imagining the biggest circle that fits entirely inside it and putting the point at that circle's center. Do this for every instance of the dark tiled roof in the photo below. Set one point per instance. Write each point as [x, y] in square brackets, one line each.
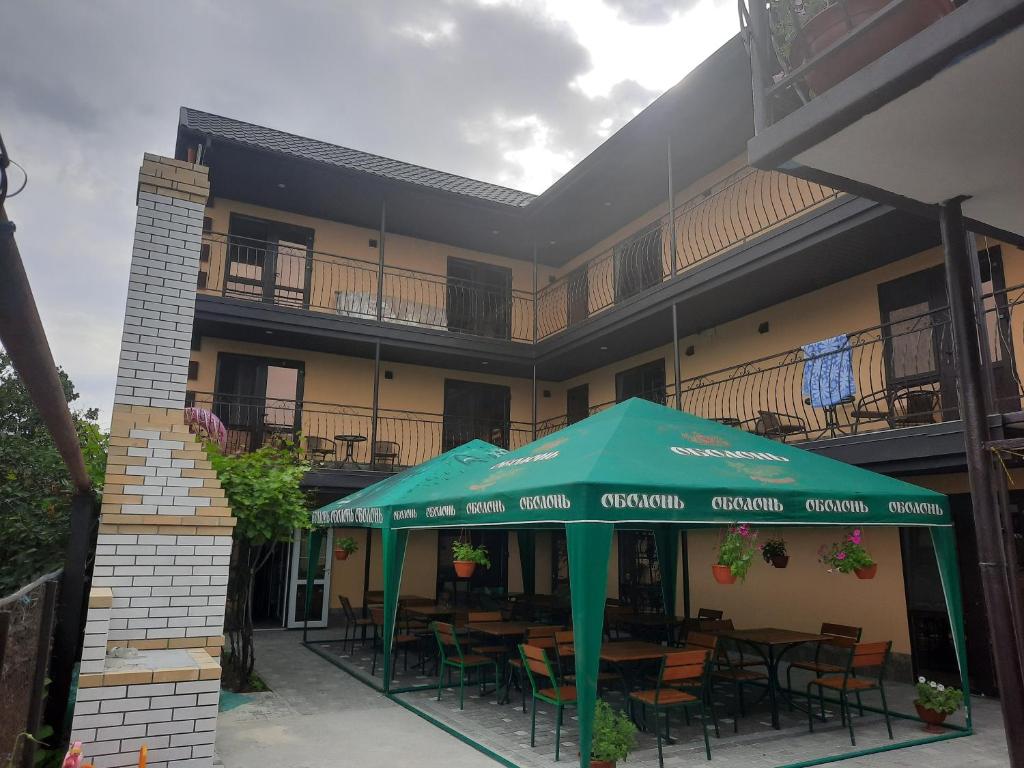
[352, 159]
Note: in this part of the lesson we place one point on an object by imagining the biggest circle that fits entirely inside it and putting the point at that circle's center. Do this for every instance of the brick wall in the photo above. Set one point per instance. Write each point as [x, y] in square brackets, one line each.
[149, 671]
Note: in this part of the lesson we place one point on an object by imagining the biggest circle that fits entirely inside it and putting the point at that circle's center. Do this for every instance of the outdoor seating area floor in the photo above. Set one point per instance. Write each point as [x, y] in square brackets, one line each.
[505, 730]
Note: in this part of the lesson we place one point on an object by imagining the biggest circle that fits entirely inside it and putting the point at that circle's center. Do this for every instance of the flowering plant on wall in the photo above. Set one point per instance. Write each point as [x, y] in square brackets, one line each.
[848, 555]
[736, 551]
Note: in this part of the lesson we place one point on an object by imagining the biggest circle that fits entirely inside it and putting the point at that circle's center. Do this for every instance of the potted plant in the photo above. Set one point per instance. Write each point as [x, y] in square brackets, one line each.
[935, 702]
[774, 553]
[614, 735]
[345, 547]
[804, 28]
[466, 558]
[735, 554]
[849, 556]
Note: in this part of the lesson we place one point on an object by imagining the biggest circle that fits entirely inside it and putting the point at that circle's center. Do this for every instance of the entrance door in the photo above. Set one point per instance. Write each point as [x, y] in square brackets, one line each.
[321, 581]
[268, 261]
[479, 298]
[258, 399]
[646, 381]
[920, 373]
[577, 403]
[475, 411]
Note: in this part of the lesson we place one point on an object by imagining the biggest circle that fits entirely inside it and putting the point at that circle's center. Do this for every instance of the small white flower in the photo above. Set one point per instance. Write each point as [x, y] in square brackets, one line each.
[921, 680]
[933, 684]
[942, 688]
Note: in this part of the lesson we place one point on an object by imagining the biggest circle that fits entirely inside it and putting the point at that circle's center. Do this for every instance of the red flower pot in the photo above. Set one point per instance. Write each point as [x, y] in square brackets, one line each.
[464, 568]
[781, 561]
[836, 22]
[341, 554]
[601, 763]
[867, 572]
[932, 719]
[723, 574]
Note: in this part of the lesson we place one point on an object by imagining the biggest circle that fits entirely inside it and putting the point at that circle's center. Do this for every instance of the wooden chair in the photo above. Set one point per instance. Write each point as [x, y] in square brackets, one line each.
[840, 636]
[496, 649]
[545, 687]
[321, 448]
[738, 659]
[862, 656]
[541, 637]
[451, 657]
[400, 640]
[352, 623]
[732, 668]
[565, 653]
[385, 452]
[683, 669]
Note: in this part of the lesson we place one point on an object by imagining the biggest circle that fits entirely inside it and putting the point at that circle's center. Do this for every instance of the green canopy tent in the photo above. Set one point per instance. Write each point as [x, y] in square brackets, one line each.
[640, 464]
[377, 505]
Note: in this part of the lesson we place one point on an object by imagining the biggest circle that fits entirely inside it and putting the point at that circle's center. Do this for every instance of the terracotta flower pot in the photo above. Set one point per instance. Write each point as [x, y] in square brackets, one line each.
[464, 568]
[933, 720]
[595, 763]
[341, 554]
[780, 561]
[723, 574]
[867, 572]
[835, 22]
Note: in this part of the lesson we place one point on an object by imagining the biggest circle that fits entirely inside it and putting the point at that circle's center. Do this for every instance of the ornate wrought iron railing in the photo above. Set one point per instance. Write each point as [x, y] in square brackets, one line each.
[335, 436]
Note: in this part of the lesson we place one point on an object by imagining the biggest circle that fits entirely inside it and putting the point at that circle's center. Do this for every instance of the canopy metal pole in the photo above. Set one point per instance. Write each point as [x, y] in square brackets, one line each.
[393, 557]
[366, 568]
[994, 567]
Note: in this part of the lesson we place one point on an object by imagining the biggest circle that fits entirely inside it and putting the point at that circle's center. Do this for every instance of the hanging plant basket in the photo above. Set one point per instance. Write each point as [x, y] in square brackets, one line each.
[780, 561]
[933, 720]
[723, 574]
[464, 569]
[867, 572]
[341, 554]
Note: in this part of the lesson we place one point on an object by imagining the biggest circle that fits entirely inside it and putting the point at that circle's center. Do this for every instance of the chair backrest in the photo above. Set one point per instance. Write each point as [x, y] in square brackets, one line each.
[386, 449]
[484, 616]
[316, 444]
[538, 668]
[841, 632]
[684, 665]
[565, 643]
[535, 633]
[447, 640]
[702, 640]
[346, 608]
[716, 625]
[377, 616]
[871, 655]
[709, 613]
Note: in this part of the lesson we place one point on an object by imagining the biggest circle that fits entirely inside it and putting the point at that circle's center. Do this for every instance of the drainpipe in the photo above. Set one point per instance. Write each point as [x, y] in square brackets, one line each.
[994, 567]
[673, 255]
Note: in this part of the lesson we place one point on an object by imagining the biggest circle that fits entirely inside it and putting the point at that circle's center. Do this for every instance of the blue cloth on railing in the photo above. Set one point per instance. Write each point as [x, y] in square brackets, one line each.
[828, 372]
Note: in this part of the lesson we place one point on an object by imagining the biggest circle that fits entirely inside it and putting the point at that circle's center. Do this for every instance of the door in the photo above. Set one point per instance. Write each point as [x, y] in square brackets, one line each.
[258, 399]
[578, 296]
[920, 373]
[638, 263]
[997, 327]
[577, 403]
[473, 410]
[646, 381]
[479, 298]
[269, 261]
[321, 580]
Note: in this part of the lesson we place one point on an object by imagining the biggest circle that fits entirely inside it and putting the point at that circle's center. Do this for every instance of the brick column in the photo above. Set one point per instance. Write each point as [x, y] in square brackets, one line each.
[149, 672]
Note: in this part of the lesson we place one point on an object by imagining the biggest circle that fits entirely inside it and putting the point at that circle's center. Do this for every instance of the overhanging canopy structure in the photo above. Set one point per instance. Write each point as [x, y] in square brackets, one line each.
[642, 465]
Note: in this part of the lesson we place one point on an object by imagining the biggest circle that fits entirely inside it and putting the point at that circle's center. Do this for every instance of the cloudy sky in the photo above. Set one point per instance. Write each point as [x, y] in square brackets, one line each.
[510, 91]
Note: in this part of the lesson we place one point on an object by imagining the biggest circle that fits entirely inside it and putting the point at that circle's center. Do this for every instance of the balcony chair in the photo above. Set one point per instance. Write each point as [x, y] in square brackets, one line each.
[903, 406]
[320, 448]
[689, 669]
[451, 657]
[385, 453]
[776, 425]
[840, 636]
[862, 656]
[545, 687]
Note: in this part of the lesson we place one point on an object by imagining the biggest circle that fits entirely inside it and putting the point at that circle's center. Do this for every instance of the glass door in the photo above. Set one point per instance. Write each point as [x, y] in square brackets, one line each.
[321, 581]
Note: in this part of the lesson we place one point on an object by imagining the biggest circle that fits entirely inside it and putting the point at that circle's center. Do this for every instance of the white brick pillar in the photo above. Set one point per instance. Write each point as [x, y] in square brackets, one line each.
[149, 672]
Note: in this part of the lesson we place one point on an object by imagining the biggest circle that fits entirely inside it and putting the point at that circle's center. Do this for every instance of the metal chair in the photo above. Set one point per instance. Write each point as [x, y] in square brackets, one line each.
[689, 669]
[545, 686]
[543, 636]
[839, 636]
[385, 452]
[400, 640]
[862, 656]
[903, 406]
[451, 657]
[352, 622]
[321, 447]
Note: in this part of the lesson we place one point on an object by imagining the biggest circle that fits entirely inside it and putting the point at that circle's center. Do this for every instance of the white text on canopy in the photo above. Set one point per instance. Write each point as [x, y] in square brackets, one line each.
[717, 453]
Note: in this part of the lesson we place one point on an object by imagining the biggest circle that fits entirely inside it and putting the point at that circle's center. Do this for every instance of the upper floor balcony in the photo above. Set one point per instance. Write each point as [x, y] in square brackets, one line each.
[478, 299]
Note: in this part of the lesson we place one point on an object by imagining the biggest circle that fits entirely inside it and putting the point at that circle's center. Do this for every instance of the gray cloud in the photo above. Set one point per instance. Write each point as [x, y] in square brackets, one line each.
[649, 11]
[89, 87]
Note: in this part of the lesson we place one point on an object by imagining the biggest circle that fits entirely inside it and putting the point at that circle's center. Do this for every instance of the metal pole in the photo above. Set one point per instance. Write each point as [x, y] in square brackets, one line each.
[380, 259]
[376, 400]
[673, 250]
[757, 46]
[366, 571]
[994, 567]
[22, 335]
[534, 431]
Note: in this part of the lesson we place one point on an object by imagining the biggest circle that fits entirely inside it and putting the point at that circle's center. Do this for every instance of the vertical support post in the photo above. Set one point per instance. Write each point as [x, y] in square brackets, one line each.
[757, 45]
[71, 599]
[674, 255]
[366, 568]
[380, 259]
[994, 567]
[316, 538]
[527, 540]
[376, 400]
[533, 432]
[393, 554]
[684, 546]
[589, 546]
[675, 358]
[667, 542]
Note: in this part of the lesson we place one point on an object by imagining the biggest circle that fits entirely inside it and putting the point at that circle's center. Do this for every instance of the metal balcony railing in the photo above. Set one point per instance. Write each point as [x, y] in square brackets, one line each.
[334, 436]
[746, 204]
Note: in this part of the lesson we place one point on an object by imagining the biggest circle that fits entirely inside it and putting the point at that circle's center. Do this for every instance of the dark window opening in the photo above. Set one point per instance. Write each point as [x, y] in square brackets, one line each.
[646, 381]
[258, 399]
[473, 410]
[639, 572]
[577, 403]
[487, 585]
[268, 261]
[479, 298]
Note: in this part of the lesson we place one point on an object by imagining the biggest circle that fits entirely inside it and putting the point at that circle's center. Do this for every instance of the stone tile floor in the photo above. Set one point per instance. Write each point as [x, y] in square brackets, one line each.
[308, 687]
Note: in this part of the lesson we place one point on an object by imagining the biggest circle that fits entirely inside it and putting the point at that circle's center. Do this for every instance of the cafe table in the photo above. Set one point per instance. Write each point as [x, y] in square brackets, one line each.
[771, 644]
[627, 655]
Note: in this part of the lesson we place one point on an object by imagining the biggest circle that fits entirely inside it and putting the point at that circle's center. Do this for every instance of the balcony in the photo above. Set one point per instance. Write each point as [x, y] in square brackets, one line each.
[744, 206]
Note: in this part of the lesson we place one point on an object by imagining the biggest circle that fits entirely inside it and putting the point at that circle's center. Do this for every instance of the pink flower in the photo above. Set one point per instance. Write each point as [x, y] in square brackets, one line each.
[840, 555]
[856, 532]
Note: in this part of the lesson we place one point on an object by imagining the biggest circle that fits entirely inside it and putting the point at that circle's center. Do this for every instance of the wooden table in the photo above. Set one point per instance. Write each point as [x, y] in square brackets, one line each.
[771, 643]
[503, 629]
[627, 655]
[431, 611]
[652, 621]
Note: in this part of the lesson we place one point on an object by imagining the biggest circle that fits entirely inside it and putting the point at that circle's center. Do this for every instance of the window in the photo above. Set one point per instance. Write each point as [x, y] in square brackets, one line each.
[646, 381]
[473, 410]
[639, 571]
[479, 298]
[267, 261]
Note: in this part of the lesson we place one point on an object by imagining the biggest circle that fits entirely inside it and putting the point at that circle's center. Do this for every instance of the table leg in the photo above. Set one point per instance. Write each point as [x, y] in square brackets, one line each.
[773, 663]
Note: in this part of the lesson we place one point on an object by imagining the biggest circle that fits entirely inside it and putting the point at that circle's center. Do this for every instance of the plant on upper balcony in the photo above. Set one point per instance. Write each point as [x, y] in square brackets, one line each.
[935, 702]
[849, 556]
[774, 553]
[345, 547]
[466, 557]
[735, 554]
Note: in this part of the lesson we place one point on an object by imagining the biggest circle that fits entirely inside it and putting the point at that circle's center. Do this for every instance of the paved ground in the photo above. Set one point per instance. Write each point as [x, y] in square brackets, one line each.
[307, 720]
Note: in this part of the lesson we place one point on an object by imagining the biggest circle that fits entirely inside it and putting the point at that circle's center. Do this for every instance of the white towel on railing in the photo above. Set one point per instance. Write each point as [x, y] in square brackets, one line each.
[394, 310]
